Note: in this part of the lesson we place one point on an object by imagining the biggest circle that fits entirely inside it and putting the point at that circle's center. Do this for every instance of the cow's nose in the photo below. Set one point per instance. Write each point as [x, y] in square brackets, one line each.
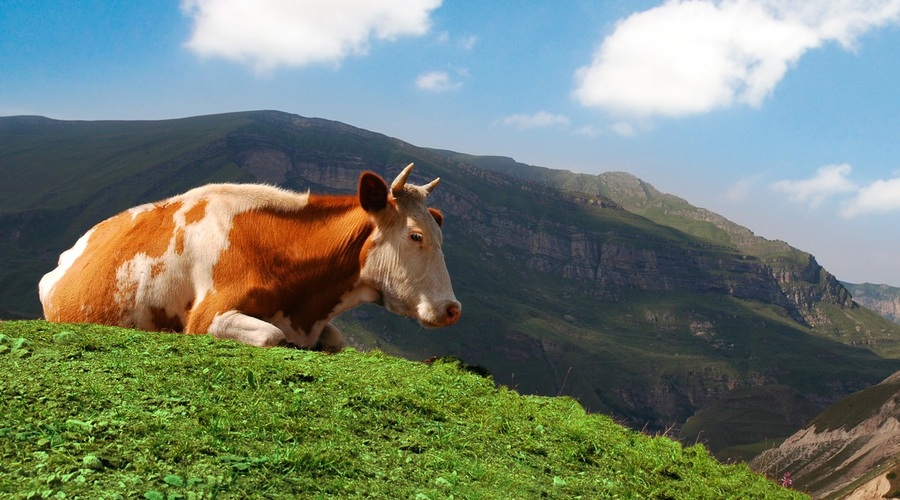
[454, 311]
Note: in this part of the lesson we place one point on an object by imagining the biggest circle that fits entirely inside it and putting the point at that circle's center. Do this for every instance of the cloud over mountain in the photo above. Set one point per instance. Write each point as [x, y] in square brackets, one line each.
[266, 34]
[878, 197]
[541, 119]
[828, 181]
[692, 56]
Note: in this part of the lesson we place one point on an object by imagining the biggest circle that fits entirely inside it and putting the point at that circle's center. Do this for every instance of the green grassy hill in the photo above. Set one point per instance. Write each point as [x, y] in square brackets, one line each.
[636, 312]
[96, 412]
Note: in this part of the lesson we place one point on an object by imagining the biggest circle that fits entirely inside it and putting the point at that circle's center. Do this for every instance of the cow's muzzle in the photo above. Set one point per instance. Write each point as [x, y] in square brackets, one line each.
[443, 314]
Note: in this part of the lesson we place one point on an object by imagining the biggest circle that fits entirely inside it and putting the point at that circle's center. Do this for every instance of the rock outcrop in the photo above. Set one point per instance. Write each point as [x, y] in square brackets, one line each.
[883, 299]
[850, 439]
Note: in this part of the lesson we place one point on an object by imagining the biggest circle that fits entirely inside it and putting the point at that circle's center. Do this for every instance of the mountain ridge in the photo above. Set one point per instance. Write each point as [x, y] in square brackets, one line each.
[565, 292]
[787, 264]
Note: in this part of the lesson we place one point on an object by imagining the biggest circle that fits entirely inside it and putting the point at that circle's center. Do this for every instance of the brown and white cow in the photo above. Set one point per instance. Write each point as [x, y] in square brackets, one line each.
[259, 264]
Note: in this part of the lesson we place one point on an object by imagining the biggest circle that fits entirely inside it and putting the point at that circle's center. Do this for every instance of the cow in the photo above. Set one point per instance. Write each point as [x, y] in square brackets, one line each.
[259, 264]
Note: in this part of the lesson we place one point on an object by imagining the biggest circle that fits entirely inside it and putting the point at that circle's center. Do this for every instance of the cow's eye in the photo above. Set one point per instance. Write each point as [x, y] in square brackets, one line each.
[417, 237]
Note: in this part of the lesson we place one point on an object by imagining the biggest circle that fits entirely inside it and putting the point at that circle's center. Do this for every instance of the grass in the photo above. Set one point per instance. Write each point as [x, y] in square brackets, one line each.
[95, 412]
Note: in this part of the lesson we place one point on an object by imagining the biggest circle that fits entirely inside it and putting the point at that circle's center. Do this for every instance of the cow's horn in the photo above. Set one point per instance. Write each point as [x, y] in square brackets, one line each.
[431, 185]
[400, 181]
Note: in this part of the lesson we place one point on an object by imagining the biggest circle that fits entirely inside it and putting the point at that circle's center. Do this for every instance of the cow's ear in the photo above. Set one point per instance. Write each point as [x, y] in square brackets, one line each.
[438, 216]
[373, 192]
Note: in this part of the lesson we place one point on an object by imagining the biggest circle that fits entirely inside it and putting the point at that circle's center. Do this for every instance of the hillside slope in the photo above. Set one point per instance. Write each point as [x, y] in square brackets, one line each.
[849, 445]
[810, 293]
[91, 411]
[883, 299]
[563, 292]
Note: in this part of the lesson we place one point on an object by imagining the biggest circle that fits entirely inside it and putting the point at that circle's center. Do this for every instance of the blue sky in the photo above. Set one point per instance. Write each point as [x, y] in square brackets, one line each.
[783, 116]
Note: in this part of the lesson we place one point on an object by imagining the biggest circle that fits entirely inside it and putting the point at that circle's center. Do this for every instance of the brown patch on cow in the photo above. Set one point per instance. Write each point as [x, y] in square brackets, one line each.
[179, 241]
[163, 322]
[196, 213]
[87, 293]
[299, 263]
[157, 269]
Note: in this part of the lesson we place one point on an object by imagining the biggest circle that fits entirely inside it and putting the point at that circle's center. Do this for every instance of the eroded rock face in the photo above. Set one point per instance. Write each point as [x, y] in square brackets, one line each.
[846, 441]
[883, 299]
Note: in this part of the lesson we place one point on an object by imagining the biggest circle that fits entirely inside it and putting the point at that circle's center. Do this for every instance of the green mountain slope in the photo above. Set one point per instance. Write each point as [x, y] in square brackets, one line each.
[814, 296]
[563, 292]
[91, 411]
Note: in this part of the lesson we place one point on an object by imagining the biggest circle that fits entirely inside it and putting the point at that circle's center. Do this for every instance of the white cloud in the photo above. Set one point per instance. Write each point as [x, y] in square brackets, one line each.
[266, 34]
[541, 119]
[468, 42]
[877, 198]
[828, 181]
[624, 128]
[692, 56]
[740, 190]
[437, 81]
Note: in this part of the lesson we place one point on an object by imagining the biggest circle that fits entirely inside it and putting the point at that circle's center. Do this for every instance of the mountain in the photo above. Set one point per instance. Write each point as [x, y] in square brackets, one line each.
[598, 287]
[852, 449]
[883, 299]
[808, 289]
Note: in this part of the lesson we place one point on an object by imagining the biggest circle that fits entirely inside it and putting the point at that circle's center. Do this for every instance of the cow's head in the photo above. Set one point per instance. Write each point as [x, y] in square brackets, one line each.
[403, 258]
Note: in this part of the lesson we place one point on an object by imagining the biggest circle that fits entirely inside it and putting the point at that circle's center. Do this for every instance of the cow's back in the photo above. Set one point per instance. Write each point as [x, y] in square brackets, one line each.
[147, 266]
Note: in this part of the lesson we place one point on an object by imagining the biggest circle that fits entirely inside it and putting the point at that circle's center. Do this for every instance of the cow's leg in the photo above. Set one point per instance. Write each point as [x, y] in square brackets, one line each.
[246, 329]
[330, 340]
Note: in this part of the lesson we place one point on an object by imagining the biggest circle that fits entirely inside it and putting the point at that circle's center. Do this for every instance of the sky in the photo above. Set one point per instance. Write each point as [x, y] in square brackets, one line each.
[781, 115]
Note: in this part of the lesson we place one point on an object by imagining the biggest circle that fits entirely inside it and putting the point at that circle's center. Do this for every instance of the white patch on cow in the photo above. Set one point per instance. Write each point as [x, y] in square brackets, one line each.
[165, 283]
[176, 280]
[66, 259]
[132, 281]
[236, 326]
[291, 334]
[138, 210]
[237, 198]
[359, 294]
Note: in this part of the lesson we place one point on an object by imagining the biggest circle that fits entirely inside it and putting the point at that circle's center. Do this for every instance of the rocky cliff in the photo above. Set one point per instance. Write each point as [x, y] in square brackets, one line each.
[845, 448]
[883, 299]
[766, 270]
